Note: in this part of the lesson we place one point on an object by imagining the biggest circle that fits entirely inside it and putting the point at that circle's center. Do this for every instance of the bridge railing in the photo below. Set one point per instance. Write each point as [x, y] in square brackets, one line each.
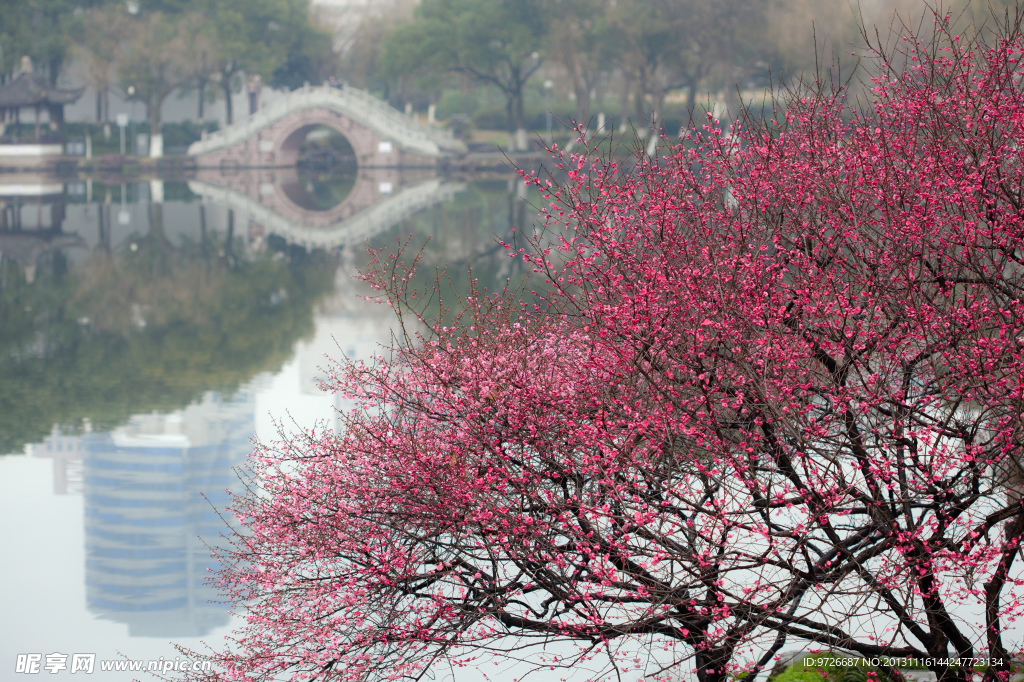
[443, 138]
[358, 105]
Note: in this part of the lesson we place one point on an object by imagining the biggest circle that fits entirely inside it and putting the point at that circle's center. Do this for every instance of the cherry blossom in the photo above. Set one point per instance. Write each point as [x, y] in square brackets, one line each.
[767, 394]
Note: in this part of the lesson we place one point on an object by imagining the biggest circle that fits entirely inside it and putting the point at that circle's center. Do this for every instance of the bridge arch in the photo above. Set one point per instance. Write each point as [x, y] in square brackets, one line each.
[380, 135]
[292, 144]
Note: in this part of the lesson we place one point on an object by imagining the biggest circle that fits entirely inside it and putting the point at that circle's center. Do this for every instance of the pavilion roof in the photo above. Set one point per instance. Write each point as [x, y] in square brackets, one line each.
[30, 89]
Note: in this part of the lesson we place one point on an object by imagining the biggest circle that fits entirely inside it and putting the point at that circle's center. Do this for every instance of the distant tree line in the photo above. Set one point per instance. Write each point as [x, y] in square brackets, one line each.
[627, 55]
[632, 57]
[148, 49]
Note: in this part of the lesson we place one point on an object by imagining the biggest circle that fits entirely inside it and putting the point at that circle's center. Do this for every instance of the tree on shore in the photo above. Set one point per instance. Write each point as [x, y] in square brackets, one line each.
[104, 34]
[582, 41]
[495, 43]
[39, 29]
[248, 39]
[768, 393]
[163, 55]
[168, 45]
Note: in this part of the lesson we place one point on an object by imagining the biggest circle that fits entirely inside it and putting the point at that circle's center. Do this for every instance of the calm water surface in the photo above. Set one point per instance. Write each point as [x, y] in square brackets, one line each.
[149, 331]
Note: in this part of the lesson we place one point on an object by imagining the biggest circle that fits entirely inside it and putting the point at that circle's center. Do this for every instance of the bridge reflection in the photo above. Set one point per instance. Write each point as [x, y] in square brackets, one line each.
[378, 199]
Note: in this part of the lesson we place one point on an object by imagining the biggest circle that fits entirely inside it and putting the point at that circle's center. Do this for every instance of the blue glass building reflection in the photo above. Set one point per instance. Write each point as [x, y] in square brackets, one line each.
[152, 489]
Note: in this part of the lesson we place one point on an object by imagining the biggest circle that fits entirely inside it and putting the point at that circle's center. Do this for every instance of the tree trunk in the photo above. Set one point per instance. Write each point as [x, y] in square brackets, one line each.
[691, 99]
[733, 104]
[627, 84]
[641, 124]
[53, 70]
[229, 241]
[510, 125]
[521, 144]
[582, 100]
[156, 138]
[581, 88]
[202, 98]
[657, 106]
[156, 222]
[103, 215]
[711, 664]
[570, 56]
[226, 84]
[656, 129]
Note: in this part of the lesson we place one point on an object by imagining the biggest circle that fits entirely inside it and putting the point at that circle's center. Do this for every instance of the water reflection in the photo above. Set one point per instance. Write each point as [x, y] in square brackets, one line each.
[319, 190]
[142, 316]
[32, 213]
[149, 329]
[151, 490]
[284, 201]
[112, 302]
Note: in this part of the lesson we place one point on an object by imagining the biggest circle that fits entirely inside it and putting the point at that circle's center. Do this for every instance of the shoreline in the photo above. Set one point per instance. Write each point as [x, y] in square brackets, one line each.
[64, 166]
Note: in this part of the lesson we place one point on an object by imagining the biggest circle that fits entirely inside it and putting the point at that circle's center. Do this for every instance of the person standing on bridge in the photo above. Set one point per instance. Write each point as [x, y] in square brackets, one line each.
[255, 86]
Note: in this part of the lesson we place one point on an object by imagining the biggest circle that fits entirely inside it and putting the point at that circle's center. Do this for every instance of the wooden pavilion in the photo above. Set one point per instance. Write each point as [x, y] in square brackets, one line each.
[29, 90]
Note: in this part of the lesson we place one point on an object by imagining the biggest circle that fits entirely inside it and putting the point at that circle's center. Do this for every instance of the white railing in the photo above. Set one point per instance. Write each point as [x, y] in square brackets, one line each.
[358, 105]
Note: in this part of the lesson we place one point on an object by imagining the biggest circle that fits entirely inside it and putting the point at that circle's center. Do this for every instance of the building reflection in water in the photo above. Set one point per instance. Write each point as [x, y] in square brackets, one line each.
[152, 489]
[32, 213]
[148, 526]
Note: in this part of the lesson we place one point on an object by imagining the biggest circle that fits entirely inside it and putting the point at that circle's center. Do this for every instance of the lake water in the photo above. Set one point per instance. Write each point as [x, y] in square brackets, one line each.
[149, 331]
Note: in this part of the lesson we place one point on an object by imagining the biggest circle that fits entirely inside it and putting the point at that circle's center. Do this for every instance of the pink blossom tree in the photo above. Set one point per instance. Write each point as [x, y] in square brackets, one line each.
[769, 394]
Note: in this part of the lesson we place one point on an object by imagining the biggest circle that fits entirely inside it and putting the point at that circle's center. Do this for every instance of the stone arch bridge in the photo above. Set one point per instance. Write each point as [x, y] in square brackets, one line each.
[380, 135]
[392, 180]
